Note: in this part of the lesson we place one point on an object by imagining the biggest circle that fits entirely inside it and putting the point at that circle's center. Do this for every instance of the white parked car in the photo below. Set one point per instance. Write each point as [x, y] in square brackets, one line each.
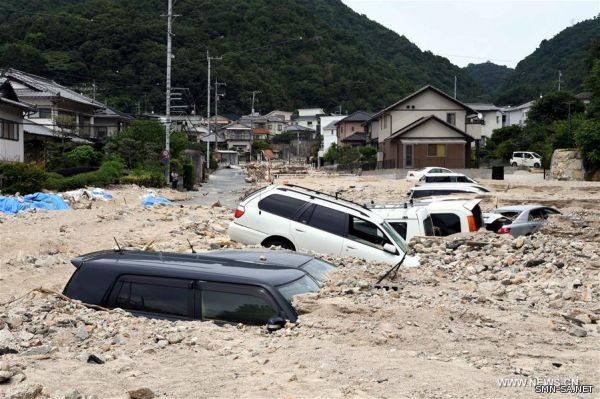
[440, 189]
[301, 219]
[408, 221]
[446, 178]
[415, 175]
[526, 158]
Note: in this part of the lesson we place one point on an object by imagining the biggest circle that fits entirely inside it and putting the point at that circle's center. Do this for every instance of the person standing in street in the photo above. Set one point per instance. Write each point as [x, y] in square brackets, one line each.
[174, 180]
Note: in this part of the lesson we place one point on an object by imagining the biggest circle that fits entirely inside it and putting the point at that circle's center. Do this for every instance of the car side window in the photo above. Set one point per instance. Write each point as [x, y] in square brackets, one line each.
[236, 304]
[518, 155]
[366, 232]
[304, 217]
[329, 220]
[528, 156]
[163, 296]
[400, 228]
[447, 223]
[536, 215]
[281, 205]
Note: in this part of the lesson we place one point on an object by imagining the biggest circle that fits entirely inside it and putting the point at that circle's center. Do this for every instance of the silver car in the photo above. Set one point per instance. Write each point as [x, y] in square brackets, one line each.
[524, 219]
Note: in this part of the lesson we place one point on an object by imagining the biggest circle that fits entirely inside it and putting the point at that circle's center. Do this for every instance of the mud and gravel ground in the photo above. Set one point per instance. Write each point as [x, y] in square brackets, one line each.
[479, 309]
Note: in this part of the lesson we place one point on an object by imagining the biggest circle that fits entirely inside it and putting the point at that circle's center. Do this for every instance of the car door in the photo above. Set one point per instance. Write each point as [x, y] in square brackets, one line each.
[527, 159]
[319, 228]
[365, 240]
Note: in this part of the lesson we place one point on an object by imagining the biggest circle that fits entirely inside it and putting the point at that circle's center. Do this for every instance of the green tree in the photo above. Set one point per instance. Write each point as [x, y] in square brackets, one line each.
[554, 106]
[593, 85]
[368, 154]
[588, 140]
[140, 144]
[333, 154]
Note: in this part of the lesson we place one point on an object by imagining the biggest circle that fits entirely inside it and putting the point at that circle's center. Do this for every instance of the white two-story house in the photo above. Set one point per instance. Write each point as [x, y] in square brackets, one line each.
[426, 128]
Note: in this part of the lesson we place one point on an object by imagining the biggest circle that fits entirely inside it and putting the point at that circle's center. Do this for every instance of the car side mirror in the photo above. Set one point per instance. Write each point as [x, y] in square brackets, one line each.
[275, 323]
[390, 248]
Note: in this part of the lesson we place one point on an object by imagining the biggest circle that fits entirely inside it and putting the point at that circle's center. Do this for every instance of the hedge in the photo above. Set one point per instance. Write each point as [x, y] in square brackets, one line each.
[21, 178]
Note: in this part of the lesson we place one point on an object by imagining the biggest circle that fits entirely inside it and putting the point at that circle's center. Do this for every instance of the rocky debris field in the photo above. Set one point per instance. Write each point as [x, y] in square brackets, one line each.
[480, 307]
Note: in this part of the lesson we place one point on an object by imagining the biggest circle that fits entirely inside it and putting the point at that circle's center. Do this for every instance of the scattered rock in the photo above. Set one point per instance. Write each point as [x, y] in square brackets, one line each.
[141, 393]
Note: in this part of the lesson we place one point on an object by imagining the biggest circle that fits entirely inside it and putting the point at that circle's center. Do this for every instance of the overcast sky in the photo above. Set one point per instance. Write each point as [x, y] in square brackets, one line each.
[503, 32]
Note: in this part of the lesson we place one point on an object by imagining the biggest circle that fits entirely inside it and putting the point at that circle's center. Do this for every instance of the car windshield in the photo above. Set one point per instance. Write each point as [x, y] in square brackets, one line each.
[398, 240]
[318, 270]
[535, 154]
[303, 285]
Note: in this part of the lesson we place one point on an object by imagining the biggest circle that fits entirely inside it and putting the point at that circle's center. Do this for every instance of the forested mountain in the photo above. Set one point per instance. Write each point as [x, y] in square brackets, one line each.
[296, 52]
[571, 52]
[490, 76]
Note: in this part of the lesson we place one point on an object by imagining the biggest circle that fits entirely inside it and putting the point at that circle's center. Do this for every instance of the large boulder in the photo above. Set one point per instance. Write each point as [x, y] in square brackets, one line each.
[567, 165]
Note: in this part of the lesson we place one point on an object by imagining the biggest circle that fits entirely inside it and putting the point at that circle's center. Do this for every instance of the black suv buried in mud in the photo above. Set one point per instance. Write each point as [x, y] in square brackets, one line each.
[250, 287]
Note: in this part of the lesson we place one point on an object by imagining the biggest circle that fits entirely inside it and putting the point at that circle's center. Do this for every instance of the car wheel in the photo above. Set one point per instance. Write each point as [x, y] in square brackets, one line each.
[278, 242]
[514, 164]
[536, 165]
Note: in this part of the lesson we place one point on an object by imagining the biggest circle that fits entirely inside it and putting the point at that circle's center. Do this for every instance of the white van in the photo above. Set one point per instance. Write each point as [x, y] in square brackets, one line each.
[298, 218]
[526, 158]
[440, 189]
[452, 215]
[408, 221]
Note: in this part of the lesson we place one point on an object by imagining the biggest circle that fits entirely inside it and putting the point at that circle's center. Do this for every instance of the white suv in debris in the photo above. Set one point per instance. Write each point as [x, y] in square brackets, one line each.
[526, 158]
[301, 219]
[408, 221]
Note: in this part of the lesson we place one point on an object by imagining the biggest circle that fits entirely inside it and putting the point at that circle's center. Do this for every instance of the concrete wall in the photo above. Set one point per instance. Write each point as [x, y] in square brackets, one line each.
[12, 150]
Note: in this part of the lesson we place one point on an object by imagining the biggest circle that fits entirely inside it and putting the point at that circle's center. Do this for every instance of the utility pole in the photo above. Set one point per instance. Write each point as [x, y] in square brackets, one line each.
[254, 93]
[168, 88]
[217, 95]
[455, 86]
[559, 76]
[208, 59]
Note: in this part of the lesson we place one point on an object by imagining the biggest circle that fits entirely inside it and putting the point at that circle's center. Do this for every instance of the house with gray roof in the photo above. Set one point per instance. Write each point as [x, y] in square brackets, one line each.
[12, 112]
[351, 130]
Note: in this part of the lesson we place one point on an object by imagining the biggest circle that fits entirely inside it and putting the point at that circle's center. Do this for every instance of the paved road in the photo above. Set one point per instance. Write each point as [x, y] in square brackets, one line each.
[224, 185]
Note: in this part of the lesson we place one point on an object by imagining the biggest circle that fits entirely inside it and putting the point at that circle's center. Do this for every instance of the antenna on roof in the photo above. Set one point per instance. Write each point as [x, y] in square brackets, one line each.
[118, 246]
[191, 246]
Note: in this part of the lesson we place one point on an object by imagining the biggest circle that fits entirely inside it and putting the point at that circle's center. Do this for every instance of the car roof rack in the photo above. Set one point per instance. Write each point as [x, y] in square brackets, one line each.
[404, 205]
[337, 198]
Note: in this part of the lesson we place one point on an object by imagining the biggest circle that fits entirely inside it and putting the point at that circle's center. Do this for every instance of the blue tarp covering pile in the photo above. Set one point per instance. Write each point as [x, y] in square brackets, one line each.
[151, 199]
[51, 202]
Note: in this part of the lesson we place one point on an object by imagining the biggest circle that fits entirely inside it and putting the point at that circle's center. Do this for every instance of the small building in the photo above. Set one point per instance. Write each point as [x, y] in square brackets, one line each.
[12, 110]
[109, 121]
[329, 132]
[426, 128]
[285, 116]
[491, 119]
[309, 118]
[227, 157]
[261, 133]
[516, 115]
[239, 137]
[352, 126]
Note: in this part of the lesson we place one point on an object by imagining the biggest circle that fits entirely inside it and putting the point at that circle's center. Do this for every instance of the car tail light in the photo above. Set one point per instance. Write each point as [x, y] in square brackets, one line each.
[504, 230]
[239, 212]
[472, 224]
[411, 174]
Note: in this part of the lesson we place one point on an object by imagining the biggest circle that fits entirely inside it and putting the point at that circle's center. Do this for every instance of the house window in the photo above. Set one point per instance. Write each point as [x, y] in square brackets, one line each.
[384, 121]
[9, 130]
[497, 119]
[309, 123]
[352, 128]
[279, 128]
[451, 118]
[436, 150]
[45, 113]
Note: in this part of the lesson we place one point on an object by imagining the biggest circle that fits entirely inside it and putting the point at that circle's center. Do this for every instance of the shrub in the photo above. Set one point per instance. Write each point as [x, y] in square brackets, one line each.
[21, 178]
[189, 175]
[588, 140]
[145, 177]
[109, 173]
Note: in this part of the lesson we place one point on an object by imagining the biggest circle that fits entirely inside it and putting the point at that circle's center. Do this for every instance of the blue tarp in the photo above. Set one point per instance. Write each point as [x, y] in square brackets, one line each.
[51, 202]
[150, 199]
